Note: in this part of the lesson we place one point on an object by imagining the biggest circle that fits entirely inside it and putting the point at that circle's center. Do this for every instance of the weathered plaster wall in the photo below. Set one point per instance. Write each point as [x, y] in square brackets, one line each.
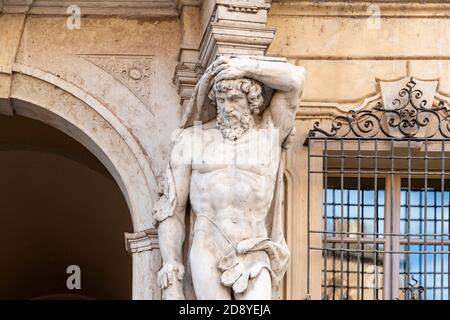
[109, 86]
[345, 47]
[98, 56]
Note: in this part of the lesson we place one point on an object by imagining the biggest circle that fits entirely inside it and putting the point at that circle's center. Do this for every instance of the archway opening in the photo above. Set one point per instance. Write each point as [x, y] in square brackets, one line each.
[60, 207]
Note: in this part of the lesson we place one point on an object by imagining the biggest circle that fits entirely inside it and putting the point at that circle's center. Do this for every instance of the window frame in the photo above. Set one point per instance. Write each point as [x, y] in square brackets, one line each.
[392, 212]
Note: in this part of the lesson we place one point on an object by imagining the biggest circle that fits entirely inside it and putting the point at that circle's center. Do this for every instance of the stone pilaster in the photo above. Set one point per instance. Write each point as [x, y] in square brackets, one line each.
[144, 248]
[185, 76]
[236, 28]
[218, 27]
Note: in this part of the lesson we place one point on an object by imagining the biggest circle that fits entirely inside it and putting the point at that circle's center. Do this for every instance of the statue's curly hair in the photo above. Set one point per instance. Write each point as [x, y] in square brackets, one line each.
[252, 88]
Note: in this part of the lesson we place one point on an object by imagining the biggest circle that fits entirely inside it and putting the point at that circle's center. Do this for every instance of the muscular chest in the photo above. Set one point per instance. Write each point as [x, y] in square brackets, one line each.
[257, 151]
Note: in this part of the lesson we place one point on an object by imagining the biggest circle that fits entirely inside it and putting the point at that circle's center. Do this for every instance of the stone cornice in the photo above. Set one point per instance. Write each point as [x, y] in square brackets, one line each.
[228, 27]
[387, 9]
[329, 110]
[187, 3]
[16, 6]
[142, 241]
[236, 27]
[223, 38]
[143, 8]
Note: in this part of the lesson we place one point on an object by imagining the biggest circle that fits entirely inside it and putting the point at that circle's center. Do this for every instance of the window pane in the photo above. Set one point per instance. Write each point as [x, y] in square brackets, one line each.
[424, 272]
[352, 265]
[424, 222]
[349, 210]
[353, 274]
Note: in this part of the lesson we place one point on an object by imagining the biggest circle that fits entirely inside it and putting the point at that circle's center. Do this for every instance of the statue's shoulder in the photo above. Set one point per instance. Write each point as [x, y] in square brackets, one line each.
[182, 132]
[181, 137]
[185, 136]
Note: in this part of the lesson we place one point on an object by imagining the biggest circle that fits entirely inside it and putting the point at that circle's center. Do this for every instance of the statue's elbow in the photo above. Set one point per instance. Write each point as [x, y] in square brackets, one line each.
[299, 76]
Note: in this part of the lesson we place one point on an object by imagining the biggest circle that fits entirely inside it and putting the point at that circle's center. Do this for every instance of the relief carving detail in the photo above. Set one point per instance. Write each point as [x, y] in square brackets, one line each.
[134, 72]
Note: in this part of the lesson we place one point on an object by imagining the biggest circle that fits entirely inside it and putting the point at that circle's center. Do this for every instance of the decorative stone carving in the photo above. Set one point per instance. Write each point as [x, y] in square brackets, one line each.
[406, 108]
[236, 28]
[226, 158]
[141, 241]
[148, 8]
[243, 8]
[134, 72]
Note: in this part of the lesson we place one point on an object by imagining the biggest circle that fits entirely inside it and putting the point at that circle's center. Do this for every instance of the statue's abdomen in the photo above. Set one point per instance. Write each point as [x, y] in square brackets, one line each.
[231, 189]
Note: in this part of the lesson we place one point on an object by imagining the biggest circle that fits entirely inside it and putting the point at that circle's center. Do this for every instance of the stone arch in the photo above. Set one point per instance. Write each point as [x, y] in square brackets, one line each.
[42, 96]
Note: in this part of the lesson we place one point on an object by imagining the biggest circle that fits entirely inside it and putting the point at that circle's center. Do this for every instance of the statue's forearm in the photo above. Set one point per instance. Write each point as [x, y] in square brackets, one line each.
[171, 237]
[278, 75]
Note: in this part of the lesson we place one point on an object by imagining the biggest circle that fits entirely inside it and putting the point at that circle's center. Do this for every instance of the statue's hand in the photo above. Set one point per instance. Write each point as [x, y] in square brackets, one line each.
[231, 68]
[207, 77]
[170, 273]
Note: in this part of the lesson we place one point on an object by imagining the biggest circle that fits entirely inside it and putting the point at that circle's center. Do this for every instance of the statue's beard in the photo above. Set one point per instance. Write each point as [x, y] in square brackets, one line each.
[234, 124]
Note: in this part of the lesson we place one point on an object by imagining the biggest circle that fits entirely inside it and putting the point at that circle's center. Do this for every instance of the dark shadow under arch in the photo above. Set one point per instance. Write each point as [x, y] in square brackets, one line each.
[59, 207]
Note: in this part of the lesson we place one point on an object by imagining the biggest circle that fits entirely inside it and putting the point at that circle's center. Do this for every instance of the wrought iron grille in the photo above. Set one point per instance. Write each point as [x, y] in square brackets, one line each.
[379, 202]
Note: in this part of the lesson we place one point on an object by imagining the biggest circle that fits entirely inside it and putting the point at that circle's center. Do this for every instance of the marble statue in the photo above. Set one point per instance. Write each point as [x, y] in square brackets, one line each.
[226, 161]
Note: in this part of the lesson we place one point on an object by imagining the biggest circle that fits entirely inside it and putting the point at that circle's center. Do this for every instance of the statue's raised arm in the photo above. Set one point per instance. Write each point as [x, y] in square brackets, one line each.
[285, 79]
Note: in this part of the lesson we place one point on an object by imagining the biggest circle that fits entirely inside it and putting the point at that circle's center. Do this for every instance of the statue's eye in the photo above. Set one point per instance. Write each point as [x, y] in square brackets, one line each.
[220, 100]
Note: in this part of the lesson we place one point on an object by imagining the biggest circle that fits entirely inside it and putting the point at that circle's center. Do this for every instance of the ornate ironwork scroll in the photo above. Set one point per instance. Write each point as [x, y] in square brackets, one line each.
[408, 116]
[413, 291]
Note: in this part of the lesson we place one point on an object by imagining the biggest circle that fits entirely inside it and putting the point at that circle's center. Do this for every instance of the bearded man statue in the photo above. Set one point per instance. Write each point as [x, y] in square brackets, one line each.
[226, 161]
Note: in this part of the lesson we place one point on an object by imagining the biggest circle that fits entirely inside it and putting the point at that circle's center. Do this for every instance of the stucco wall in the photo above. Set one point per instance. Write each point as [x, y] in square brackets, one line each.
[345, 47]
[95, 59]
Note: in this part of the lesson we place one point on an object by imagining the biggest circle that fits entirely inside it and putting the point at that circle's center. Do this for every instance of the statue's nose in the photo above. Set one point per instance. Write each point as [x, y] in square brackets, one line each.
[229, 107]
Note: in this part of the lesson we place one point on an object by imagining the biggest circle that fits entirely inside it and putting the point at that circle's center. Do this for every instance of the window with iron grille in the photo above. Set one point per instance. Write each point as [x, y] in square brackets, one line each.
[379, 203]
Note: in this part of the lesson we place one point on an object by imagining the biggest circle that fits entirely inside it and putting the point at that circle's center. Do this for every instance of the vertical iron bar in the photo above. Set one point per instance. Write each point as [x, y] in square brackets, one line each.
[334, 246]
[375, 256]
[448, 246]
[434, 266]
[342, 217]
[308, 285]
[391, 226]
[326, 217]
[409, 214]
[434, 249]
[348, 245]
[426, 217]
[362, 253]
[334, 273]
[442, 216]
[358, 223]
